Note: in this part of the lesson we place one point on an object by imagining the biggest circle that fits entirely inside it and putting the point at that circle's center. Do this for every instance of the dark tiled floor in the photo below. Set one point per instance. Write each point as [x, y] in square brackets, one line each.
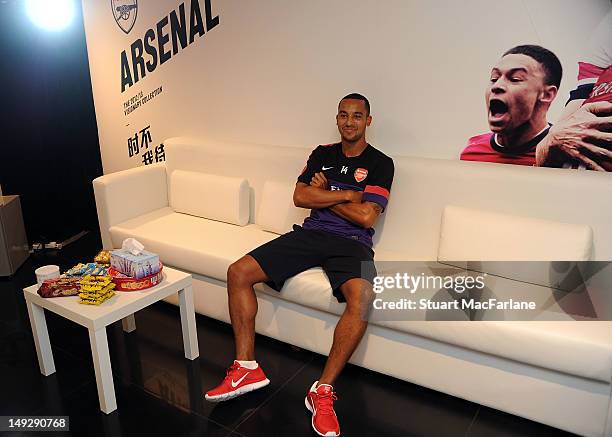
[159, 392]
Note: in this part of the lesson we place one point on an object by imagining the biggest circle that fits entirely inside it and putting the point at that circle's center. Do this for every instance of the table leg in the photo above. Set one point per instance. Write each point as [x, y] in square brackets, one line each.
[104, 372]
[129, 323]
[194, 382]
[188, 323]
[41, 338]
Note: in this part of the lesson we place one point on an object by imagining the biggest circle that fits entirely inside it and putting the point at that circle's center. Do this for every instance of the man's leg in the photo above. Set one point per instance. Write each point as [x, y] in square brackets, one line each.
[241, 276]
[271, 262]
[347, 335]
[242, 377]
[350, 328]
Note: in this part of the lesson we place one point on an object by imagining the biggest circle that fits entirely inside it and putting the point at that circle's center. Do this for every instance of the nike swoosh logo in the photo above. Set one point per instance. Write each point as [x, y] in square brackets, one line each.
[326, 168]
[235, 383]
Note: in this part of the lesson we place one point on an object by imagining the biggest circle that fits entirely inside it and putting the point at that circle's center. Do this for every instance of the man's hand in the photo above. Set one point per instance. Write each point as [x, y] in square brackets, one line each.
[586, 136]
[364, 214]
[311, 197]
[355, 196]
[351, 208]
[319, 181]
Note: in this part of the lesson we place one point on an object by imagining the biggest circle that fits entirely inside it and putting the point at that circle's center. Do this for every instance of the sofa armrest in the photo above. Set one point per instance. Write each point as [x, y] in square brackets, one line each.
[127, 194]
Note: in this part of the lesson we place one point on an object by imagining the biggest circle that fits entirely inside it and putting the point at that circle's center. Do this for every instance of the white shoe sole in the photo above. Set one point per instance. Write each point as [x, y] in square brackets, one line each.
[239, 391]
[309, 408]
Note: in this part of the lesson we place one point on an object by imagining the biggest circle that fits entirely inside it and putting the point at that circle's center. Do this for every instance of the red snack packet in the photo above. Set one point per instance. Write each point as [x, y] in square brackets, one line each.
[59, 287]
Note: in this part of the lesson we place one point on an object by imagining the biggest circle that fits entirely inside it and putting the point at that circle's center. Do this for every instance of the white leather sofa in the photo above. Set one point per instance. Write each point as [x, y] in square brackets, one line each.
[212, 202]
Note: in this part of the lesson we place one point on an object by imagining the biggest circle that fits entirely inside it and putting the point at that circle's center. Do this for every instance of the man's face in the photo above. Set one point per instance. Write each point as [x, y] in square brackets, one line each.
[514, 92]
[352, 119]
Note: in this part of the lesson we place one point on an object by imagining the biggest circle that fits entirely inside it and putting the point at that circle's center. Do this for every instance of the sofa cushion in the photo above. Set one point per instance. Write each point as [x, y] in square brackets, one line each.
[475, 235]
[202, 246]
[205, 247]
[277, 212]
[208, 247]
[539, 343]
[210, 196]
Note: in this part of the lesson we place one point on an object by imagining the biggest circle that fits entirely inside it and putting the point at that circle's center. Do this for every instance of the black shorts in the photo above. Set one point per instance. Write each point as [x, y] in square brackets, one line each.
[301, 249]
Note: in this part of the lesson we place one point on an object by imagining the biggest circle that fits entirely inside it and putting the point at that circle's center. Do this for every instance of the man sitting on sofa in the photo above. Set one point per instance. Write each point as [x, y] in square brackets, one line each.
[347, 187]
[523, 84]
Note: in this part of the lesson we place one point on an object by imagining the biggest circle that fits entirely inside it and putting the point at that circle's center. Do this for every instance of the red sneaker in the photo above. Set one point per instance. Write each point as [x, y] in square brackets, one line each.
[320, 402]
[238, 380]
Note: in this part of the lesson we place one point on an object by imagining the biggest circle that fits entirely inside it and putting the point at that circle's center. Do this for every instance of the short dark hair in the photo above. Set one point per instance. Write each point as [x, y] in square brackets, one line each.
[357, 96]
[547, 59]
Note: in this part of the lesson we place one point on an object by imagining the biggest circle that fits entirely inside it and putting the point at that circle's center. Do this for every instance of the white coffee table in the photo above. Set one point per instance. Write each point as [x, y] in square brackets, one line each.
[121, 306]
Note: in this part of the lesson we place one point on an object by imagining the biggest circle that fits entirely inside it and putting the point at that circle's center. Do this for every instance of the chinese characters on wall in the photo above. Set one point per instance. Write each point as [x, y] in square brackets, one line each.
[141, 145]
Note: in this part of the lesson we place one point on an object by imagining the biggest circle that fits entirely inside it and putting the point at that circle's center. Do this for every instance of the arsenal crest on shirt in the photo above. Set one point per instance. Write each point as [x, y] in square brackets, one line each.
[361, 174]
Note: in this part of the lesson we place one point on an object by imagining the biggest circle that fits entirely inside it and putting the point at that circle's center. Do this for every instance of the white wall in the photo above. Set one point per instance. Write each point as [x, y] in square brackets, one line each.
[273, 71]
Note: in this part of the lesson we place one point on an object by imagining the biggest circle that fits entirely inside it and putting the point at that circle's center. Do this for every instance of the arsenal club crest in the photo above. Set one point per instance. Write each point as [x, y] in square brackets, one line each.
[361, 174]
[125, 12]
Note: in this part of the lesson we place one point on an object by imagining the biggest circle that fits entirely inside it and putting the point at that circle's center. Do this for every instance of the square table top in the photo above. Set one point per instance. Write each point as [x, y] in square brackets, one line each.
[119, 306]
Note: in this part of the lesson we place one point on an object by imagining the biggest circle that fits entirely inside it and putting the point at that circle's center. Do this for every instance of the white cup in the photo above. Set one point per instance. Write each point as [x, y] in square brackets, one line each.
[47, 272]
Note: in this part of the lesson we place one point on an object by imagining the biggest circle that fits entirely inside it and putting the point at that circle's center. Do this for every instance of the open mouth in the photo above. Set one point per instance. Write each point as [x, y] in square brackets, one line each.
[497, 108]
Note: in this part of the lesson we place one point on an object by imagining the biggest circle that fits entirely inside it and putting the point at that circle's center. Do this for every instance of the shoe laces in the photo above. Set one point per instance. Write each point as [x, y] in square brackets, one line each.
[326, 403]
[231, 370]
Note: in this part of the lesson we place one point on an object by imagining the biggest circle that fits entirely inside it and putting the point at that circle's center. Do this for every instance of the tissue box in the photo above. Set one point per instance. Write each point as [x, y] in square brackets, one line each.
[136, 266]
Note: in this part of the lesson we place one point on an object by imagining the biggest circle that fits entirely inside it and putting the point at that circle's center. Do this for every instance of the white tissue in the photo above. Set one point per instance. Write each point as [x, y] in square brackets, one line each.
[132, 245]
